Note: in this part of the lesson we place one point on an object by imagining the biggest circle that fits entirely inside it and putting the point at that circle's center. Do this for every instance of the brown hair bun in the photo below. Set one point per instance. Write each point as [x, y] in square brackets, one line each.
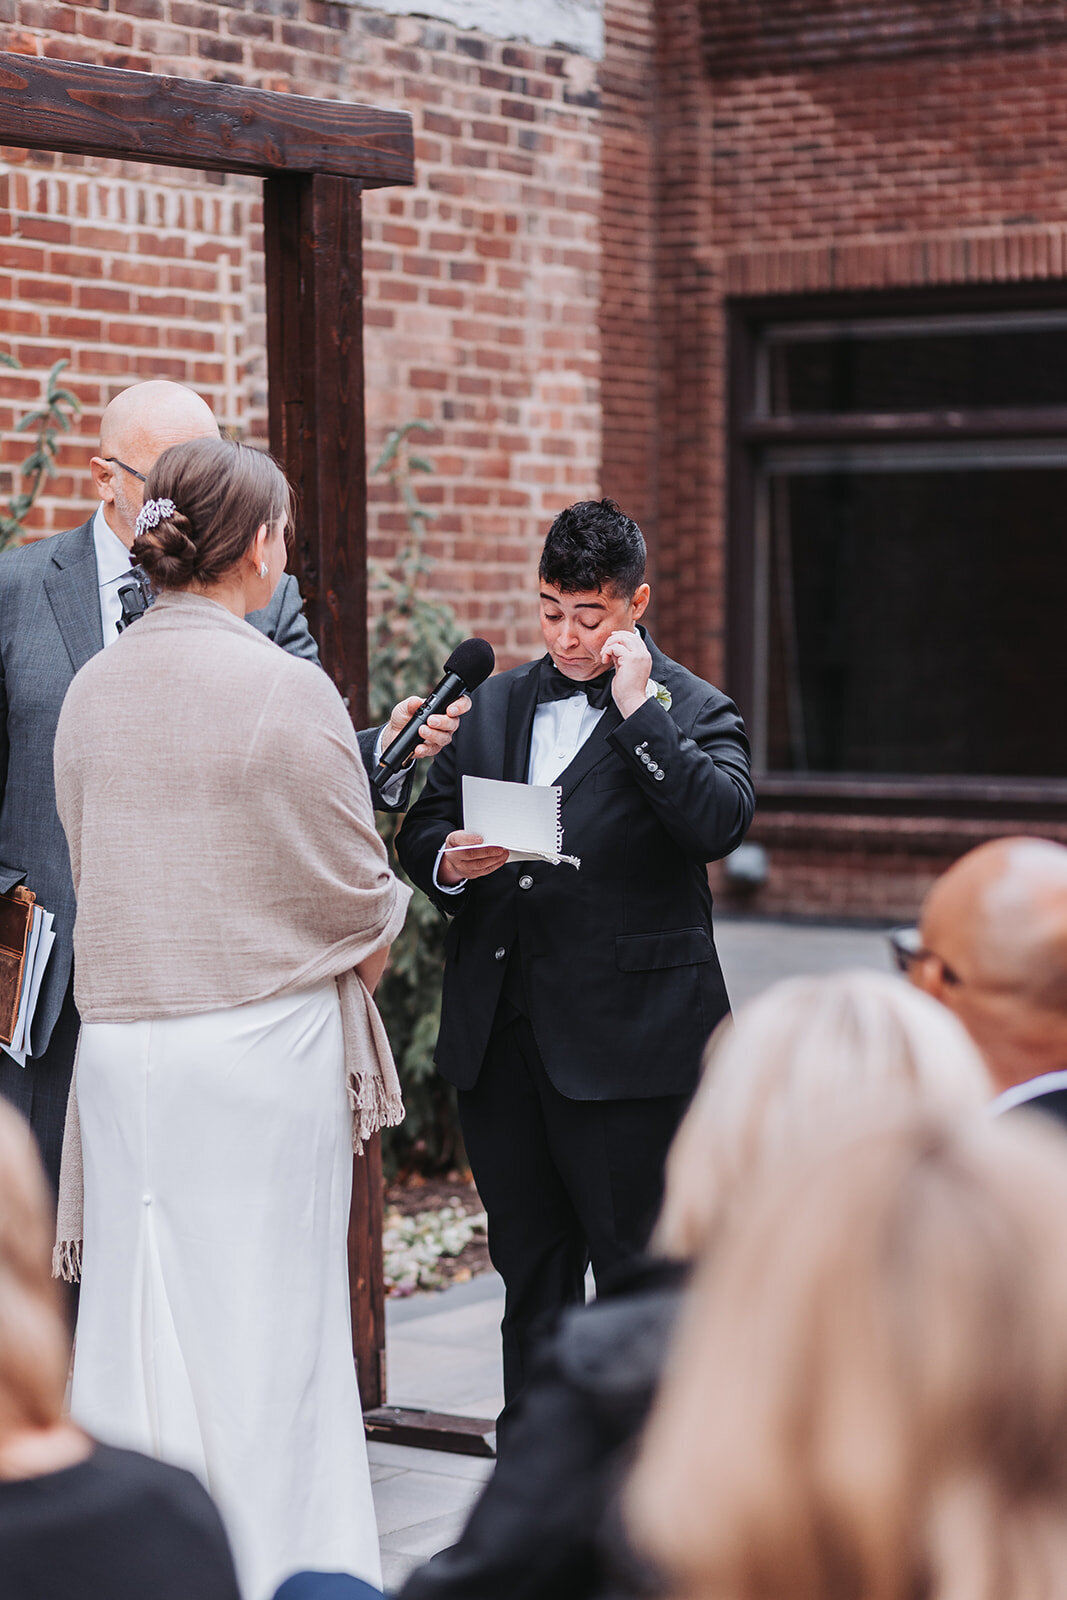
[167, 552]
[222, 493]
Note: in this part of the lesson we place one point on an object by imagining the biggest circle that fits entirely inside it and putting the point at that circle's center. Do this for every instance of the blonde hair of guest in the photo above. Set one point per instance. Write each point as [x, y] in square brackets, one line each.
[868, 1395]
[787, 1061]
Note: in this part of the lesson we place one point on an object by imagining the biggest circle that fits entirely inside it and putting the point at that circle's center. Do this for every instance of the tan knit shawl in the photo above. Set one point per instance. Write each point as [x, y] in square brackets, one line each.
[223, 845]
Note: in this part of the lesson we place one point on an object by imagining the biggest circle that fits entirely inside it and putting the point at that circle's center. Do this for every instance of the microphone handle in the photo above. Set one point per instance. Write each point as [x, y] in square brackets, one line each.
[449, 689]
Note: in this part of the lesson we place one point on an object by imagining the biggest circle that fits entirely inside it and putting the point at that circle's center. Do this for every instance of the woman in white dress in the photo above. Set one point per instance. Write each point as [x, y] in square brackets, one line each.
[235, 908]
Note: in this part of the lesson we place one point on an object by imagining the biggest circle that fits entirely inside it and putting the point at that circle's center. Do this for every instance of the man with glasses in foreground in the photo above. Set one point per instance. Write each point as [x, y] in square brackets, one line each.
[991, 945]
[61, 600]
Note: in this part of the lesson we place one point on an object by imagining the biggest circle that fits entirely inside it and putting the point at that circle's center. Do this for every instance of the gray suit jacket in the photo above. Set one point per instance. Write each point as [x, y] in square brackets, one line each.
[49, 627]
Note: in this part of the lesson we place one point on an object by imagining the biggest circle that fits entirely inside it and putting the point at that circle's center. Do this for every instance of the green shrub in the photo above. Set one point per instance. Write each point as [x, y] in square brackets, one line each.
[52, 417]
[410, 638]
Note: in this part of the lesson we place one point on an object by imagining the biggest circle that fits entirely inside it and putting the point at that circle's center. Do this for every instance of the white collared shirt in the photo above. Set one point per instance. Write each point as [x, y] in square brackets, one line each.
[560, 728]
[112, 564]
[1022, 1093]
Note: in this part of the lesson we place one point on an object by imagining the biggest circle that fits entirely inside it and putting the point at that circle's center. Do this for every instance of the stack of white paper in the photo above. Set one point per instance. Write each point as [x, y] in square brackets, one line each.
[38, 949]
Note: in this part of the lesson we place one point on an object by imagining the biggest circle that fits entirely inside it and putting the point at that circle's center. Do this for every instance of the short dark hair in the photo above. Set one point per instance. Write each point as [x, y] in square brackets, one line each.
[593, 545]
[222, 492]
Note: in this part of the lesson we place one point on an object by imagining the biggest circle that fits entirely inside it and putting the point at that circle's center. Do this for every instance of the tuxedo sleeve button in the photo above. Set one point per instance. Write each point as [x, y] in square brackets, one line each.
[660, 774]
[498, 955]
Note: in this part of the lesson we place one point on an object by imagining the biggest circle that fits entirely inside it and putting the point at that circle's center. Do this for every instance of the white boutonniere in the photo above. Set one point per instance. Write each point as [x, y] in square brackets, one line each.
[657, 691]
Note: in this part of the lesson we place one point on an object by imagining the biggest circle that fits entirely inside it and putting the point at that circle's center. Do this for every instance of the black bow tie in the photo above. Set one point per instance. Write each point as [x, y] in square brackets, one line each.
[552, 685]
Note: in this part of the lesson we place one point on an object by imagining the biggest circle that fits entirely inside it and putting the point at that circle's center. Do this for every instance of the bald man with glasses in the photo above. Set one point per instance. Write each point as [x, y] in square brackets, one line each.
[991, 945]
[61, 600]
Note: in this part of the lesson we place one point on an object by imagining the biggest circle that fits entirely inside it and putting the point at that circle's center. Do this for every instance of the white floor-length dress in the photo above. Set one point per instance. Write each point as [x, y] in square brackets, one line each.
[214, 1324]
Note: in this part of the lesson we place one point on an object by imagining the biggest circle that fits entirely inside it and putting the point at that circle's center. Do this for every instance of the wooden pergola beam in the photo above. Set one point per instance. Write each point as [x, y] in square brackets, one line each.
[181, 122]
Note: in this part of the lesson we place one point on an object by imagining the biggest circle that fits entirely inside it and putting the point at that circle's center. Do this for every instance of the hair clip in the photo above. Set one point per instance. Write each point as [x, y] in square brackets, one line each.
[152, 513]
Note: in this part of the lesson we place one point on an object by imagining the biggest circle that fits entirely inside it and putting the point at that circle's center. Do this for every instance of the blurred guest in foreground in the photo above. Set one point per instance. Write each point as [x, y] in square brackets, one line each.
[787, 1063]
[867, 1399]
[991, 945]
[77, 1518]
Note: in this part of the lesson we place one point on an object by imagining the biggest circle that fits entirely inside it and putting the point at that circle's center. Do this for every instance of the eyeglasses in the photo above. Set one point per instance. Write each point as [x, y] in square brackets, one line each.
[133, 472]
[907, 947]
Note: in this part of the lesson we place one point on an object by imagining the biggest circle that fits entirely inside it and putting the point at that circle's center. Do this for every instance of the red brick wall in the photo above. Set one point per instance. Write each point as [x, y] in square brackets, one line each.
[931, 169]
[482, 280]
[749, 36]
[552, 295]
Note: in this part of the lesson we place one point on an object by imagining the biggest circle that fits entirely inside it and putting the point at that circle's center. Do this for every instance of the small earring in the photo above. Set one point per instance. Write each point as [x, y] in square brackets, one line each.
[263, 569]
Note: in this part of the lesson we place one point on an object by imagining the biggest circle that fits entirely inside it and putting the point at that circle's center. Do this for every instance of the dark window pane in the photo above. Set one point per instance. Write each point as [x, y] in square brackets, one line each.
[917, 622]
[920, 372]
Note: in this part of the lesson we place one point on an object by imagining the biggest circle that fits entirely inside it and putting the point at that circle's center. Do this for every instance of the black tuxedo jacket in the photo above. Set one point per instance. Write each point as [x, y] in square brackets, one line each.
[621, 979]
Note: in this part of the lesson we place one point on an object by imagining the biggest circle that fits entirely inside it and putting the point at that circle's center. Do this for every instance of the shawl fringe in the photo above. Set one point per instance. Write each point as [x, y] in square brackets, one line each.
[373, 1108]
[67, 1260]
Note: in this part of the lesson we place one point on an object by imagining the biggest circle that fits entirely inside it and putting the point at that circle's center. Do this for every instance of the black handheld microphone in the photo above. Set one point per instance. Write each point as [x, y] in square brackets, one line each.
[469, 665]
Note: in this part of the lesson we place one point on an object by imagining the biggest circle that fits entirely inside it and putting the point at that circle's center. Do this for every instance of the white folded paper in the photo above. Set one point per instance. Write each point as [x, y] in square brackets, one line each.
[521, 818]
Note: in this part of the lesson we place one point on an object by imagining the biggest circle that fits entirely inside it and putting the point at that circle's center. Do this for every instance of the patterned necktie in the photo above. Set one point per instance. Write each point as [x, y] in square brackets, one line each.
[553, 685]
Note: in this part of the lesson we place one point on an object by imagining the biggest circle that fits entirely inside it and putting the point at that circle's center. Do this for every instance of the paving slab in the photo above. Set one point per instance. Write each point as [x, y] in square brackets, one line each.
[755, 954]
[423, 1499]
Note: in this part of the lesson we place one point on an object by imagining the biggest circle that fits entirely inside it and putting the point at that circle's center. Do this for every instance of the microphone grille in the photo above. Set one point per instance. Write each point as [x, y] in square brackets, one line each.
[473, 661]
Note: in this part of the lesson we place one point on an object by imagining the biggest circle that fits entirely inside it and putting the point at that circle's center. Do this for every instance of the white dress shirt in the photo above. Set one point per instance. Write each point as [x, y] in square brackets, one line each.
[560, 728]
[112, 565]
[1022, 1093]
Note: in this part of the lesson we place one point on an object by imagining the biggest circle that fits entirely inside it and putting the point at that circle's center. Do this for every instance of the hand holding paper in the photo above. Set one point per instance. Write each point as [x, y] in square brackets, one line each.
[472, 858]
[521, 818]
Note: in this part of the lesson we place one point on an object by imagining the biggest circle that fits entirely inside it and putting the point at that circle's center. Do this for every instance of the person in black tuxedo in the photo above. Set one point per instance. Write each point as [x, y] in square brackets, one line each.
[576, 1003]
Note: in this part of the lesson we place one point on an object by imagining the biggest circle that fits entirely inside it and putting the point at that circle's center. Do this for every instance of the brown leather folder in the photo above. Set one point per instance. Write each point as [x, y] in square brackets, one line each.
[16, 919]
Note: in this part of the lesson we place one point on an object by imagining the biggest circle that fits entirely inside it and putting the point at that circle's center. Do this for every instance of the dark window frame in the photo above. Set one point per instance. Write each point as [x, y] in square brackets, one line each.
[751, 429]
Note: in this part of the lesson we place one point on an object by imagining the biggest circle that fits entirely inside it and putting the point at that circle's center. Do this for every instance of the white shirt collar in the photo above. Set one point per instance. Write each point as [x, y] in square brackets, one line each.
[113, 560]
[1022, 1093]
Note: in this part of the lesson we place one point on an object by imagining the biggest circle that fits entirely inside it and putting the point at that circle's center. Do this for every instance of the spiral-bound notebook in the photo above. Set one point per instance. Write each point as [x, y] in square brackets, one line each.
[522, 818]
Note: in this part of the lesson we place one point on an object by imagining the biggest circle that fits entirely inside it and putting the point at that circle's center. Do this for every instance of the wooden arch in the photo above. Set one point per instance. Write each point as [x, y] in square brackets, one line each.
[316, 157]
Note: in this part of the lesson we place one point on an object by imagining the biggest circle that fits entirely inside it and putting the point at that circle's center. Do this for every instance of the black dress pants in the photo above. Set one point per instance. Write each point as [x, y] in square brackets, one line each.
[40, 1089]
[564, 1182]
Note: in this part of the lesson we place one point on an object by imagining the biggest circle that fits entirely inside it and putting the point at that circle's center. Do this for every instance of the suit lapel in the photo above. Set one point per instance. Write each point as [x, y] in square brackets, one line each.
[73, 591]
[521, 707]
[592, 751]
[596, 747]
[522, 703]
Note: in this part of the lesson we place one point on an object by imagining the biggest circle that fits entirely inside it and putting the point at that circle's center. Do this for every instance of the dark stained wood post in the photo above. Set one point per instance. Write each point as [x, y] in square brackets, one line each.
[316, 157]
[312, 231]
[314, 271]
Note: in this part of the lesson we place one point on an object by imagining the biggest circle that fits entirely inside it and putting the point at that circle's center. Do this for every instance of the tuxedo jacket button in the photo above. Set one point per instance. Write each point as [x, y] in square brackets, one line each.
[526, 882]
[498, 955]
